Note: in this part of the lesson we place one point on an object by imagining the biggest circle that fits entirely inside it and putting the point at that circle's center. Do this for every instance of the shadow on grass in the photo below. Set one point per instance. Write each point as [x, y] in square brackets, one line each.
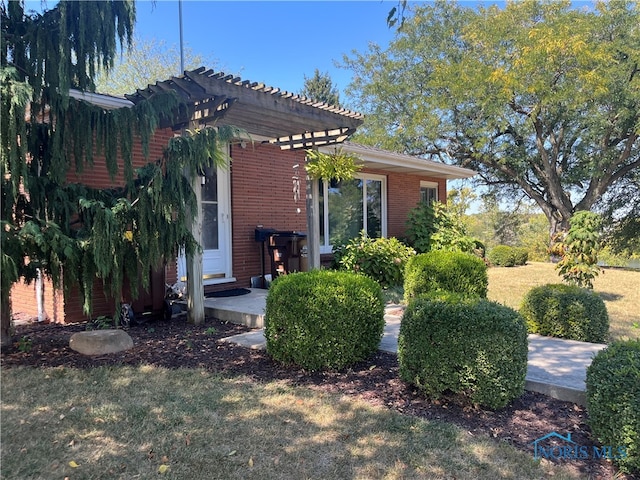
[127, 422]
[609, 296]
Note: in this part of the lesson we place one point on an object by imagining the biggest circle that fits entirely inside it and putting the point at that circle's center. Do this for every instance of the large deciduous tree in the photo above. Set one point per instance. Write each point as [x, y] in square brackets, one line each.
[71, 232]
[536, 96]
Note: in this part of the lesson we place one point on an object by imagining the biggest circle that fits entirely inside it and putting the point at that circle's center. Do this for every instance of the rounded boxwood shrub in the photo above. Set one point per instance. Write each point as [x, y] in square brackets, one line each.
[506, 256]
[467, 346]
[447, 271]
[502, 256]
[566, 311]
[613, 401]
[323, 319]
[521, 255]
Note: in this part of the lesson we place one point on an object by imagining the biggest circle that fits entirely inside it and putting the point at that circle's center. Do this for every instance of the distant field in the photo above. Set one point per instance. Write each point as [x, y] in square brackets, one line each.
[620, 290]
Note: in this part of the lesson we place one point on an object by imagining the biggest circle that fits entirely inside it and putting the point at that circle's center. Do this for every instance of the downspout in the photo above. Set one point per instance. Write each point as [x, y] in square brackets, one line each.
[42, 314]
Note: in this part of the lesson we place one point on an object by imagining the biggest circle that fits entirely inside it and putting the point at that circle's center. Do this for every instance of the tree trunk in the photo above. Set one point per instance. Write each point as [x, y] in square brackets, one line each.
[5, 322]
[557, 225]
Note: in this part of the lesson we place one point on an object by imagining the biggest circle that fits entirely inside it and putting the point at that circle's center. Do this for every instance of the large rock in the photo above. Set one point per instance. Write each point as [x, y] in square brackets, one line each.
[100, 342]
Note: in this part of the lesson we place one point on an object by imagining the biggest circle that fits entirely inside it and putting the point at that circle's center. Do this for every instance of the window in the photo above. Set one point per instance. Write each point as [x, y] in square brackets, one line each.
[428, 192]
[210, 210]
[351, 206]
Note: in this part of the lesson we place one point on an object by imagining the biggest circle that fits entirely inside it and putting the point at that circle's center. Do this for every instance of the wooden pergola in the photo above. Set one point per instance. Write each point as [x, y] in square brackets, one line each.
[284, 119]
[288, 120]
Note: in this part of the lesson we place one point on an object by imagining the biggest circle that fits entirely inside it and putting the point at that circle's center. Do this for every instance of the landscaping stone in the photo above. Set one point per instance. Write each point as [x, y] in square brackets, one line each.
[100, 342]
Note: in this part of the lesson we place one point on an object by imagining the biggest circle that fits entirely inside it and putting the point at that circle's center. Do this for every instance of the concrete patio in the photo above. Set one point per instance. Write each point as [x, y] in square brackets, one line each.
[556, 367]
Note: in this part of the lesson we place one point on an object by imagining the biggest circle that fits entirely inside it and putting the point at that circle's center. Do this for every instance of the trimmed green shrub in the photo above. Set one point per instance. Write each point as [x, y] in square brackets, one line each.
[521, 255]
[382, 259]
[502, 256]
[506, 256]
[613, 401]
[468, 346]
[566, 311]
[323, 319]
[440, 270]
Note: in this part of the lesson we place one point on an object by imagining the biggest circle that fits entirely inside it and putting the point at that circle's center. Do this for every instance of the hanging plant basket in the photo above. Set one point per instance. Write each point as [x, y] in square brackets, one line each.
[337, 166]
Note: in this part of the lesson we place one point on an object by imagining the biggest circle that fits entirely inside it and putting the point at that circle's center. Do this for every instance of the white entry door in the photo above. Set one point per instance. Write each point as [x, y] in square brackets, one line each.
[216, 228]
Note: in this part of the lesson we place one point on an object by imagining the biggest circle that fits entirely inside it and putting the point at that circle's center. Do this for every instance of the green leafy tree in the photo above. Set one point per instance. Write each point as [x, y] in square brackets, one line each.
[146, 61]
[436, 226]
[320, 88]
[579, 263]
[70, 232]
[451, 232]
[421, 225]
[538, 97]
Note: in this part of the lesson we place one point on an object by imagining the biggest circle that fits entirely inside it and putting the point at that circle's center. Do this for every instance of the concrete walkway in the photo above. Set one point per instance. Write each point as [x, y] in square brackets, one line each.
[556, 367]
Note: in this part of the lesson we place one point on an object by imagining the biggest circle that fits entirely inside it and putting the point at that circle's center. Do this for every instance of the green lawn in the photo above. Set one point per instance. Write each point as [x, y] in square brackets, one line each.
[127, 423]
[620, 290]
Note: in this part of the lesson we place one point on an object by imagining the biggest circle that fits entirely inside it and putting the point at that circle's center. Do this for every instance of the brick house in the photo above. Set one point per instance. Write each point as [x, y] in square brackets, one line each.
[264, 186]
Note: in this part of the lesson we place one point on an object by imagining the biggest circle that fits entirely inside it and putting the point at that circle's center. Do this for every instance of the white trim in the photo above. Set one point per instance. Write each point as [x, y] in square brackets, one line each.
[105, 101]
[379, 159]
[327, 248]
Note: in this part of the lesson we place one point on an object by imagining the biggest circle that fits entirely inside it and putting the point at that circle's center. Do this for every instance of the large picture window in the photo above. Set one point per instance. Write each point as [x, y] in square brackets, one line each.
[352, 206]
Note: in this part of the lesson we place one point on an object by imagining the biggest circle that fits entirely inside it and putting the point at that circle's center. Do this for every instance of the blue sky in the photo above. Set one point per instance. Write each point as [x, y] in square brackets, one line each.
[276, 43]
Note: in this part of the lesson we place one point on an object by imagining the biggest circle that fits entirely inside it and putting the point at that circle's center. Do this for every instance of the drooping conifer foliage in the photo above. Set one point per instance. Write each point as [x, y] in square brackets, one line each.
[71, 232]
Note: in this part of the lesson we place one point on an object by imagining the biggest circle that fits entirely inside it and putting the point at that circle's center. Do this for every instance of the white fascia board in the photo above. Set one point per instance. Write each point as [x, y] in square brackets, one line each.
[105, 101]
[385, 160]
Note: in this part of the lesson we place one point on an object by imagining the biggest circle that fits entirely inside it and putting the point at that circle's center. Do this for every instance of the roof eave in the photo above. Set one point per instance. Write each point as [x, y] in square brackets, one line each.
[406, 164]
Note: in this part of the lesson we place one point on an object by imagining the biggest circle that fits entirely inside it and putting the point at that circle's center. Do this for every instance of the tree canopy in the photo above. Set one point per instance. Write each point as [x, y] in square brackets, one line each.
[538, 97]
[71, 232]
[146, 61]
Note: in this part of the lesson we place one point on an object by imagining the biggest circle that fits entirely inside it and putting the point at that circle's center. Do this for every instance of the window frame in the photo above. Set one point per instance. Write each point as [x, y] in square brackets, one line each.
[328, 248]
[430, 184]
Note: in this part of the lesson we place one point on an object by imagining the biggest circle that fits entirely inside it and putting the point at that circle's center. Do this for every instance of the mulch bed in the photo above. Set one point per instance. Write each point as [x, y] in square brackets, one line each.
[177, 344]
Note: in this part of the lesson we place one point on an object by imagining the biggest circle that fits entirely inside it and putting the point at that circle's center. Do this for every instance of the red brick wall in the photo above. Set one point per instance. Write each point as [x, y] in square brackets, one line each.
[403, 194]
[70, 309]
[262, 194]
[25, 303]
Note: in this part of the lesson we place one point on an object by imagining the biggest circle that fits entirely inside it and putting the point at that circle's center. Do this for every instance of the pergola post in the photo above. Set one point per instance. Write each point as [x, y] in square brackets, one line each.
[313, 223]
[195, 286]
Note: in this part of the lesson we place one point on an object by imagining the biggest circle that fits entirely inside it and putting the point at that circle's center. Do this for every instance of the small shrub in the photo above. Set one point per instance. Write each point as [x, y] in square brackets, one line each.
[579, 263]
[506, 256]
[467, 346]
[382, 259]
[323, 319]
[566, 311]
[613, 401]
[25, 344]
[521, 255]
[502, 256]
[445, 271]
[421, 225]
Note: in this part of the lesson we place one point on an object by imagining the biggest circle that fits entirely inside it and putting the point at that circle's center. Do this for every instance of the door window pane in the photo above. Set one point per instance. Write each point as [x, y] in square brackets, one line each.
[210, 226]
[210, 186]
